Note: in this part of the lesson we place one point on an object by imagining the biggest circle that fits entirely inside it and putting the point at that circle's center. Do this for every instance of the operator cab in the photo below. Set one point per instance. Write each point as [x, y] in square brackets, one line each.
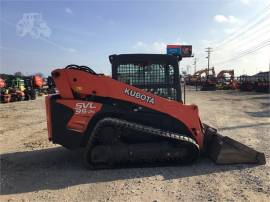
[155, 73]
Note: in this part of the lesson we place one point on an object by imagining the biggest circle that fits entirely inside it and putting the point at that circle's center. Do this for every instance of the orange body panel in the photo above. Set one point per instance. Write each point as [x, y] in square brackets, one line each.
[83, 112]
[38, 81]
[2, 83]
[68, 80]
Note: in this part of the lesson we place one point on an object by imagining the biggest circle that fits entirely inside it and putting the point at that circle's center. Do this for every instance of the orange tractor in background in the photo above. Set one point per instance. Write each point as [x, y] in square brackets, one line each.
[33, 86]
[4, 96]
[2, 83]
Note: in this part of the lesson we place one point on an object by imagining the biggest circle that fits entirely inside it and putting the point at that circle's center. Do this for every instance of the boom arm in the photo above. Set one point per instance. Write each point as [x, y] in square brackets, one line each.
[223, 72]
[200, 72]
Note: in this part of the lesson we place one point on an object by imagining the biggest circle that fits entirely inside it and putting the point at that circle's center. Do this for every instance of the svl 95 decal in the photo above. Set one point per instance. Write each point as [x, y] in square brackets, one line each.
[84, 108]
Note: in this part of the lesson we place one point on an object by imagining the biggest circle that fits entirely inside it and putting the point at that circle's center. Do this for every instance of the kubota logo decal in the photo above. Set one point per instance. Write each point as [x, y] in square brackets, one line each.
[84, 108]
[139, 96]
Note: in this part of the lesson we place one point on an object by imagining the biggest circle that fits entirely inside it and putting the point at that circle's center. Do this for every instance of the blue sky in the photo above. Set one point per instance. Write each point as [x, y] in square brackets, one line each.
[87, 32]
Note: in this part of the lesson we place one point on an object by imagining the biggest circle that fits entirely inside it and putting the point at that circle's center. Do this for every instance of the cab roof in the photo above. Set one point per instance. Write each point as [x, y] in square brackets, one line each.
[138, 57]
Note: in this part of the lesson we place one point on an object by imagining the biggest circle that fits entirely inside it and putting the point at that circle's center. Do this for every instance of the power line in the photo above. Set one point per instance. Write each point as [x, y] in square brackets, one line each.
[253, 29]
[243, 32]
[208, 51]
[258, 36]
[249, 36]
[247, 52]
[246, 27]
[254, 47]
[252, 24]
[195, 64]
[243, 54]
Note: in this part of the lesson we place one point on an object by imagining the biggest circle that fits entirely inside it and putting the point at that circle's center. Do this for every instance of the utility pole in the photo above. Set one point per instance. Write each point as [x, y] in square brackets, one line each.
[208, 51]
[188, 67]
[195, 64]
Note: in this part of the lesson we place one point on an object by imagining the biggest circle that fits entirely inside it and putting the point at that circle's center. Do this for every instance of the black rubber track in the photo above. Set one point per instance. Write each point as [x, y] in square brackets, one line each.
[184, 149]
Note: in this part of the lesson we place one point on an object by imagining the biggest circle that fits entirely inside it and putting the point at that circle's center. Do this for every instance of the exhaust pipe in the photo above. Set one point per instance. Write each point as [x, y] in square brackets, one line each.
[224, 150]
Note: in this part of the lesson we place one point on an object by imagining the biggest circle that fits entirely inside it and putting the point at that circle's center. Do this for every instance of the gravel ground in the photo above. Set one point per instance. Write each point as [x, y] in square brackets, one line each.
[33, 169]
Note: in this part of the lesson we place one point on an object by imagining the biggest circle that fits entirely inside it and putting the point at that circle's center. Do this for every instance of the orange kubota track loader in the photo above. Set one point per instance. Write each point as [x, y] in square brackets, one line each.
[136, 117]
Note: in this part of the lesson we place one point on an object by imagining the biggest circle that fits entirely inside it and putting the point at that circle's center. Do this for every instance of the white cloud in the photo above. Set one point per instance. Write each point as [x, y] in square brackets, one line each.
[69, 11]
[33, 25]
[220, 18]
[27, 24]
[230, 19]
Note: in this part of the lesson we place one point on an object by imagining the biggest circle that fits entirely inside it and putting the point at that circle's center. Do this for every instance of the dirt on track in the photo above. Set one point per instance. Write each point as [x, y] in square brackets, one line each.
[33, 169]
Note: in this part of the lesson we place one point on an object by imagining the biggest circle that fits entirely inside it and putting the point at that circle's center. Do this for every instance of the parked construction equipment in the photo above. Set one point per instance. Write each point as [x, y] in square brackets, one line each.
[259, 82]
[209, 81]
[33, 86]
[2, 83]
[136, 117]
[18, 88]
[14, 89]
[245, 83]
[205, 79]
[49, 87]
[224, 82]
[195, 79]
[4, 96]
[262, 82]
